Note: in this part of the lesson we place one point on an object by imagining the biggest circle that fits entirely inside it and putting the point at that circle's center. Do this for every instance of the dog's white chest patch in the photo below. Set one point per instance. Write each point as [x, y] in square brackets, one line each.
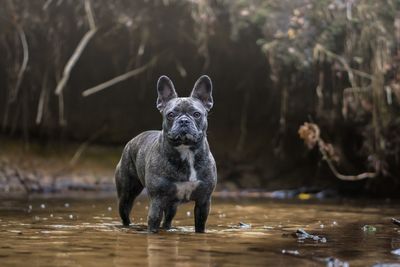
[188, 155]
[184, 190]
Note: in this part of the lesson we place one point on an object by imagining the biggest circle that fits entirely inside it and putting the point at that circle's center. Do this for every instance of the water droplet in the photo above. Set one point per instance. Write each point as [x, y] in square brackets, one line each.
[188, 213]
[71, 216]
[42, 206]
[109, 209]
[335, 223]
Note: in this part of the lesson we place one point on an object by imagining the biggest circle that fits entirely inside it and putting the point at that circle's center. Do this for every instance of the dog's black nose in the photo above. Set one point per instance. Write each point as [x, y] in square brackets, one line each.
[184, 121]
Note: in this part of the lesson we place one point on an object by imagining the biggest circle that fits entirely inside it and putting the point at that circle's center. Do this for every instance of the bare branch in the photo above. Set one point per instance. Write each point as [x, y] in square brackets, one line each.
[78, 50]
[89, 14]
[24, 64]
[43, 95]
[118, 79]
[72, 61]
[310, 133]
[357, 177]
[346, 66]
[46, 5]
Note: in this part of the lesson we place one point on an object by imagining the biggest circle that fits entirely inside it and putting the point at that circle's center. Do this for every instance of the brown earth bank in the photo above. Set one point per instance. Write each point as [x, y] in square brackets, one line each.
[60, 167]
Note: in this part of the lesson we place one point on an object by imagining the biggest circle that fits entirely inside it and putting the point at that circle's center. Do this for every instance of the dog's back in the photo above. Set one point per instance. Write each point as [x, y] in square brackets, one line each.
[130, 171]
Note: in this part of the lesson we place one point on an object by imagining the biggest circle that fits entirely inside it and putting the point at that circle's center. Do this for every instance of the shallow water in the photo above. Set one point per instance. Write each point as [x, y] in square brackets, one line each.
[87, 232]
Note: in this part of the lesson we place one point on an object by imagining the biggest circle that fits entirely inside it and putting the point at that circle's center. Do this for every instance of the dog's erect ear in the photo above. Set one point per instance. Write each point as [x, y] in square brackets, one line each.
[203, 91]
[166, 92]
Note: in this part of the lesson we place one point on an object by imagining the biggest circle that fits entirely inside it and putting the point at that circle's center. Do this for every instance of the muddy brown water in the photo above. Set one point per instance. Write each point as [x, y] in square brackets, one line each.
[85, 231]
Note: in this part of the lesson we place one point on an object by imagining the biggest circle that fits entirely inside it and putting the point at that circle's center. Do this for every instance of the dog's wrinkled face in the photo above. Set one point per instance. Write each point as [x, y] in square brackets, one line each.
[185, 121]
[184, 118]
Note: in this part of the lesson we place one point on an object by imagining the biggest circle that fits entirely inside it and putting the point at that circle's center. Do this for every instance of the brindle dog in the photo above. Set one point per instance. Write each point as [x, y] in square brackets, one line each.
[174, 164]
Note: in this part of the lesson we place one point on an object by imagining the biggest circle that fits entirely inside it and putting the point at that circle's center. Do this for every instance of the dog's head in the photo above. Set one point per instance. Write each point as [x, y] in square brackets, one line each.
[184, 118]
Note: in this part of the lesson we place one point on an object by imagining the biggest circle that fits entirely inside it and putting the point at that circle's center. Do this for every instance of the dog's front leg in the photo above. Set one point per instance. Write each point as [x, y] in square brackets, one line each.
[155, 214]
[201, 210]
[169, 214]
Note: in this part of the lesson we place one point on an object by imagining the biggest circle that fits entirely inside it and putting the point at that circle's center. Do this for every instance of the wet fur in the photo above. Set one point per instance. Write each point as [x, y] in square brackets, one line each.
[172, 173]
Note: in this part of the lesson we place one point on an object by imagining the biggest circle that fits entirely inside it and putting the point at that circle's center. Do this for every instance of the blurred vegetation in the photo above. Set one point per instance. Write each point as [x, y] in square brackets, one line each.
[278, 63]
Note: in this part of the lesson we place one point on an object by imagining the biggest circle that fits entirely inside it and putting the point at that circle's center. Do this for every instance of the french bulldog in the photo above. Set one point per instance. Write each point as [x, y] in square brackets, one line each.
[175, 164]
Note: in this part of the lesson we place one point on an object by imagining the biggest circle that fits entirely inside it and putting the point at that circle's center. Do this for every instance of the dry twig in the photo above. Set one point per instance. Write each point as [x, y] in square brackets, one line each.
[310, 133]
[350, 71]
[43, 95]
[78, 50]
[24, 64]
[118, 79]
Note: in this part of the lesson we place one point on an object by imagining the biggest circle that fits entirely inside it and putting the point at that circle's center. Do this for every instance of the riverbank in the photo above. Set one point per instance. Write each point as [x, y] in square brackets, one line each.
[56, 167]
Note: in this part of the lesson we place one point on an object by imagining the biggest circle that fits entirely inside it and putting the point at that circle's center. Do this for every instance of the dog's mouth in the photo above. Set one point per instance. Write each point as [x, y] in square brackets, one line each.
[184, 137]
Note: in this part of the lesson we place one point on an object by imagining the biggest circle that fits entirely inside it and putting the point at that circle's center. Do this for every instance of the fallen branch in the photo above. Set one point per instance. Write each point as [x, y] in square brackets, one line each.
[303, 235]
[310, 133]
[78, 50]
[118, 79]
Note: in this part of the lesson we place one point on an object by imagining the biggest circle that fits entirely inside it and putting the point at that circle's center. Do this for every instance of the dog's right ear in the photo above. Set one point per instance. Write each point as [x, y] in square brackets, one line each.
[166, 92]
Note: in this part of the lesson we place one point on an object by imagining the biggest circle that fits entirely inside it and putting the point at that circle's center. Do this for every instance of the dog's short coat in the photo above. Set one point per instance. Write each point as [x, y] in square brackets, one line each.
[174, 164]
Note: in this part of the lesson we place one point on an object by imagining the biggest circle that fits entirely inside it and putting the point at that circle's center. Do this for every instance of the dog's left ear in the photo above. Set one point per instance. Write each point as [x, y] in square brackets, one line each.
[202, 90]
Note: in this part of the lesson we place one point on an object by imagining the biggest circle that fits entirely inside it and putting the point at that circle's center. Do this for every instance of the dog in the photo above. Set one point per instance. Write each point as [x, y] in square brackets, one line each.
[175, 164]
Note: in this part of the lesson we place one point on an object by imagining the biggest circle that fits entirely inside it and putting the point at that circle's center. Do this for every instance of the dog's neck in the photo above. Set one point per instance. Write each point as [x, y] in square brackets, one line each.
[182, 151]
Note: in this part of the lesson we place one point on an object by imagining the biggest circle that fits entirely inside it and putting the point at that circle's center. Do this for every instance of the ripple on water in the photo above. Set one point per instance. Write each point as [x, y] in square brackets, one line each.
[95, 234]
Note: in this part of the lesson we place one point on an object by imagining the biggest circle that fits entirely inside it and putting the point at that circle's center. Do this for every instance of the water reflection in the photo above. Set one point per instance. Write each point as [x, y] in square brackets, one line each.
[93, 236]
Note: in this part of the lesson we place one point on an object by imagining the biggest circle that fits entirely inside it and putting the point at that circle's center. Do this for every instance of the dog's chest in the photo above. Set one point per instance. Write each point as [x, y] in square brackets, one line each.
[188, 156]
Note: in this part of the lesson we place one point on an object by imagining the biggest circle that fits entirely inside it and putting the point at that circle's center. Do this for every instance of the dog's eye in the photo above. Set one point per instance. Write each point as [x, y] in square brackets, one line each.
[171, 115]
[197, 115]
